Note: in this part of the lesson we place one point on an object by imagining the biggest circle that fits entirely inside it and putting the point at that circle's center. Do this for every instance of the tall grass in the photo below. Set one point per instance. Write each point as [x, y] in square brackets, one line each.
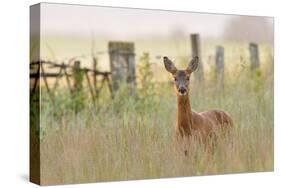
[133, 137]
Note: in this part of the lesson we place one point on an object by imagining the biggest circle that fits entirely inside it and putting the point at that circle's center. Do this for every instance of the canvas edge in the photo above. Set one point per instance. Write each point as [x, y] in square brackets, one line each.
[34, 95]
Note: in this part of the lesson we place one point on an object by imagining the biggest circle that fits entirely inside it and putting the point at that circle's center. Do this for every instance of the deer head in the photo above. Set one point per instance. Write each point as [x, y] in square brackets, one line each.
[181, 77]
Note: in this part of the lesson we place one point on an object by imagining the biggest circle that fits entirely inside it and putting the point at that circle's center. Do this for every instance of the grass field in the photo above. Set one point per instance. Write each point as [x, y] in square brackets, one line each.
[133, 137]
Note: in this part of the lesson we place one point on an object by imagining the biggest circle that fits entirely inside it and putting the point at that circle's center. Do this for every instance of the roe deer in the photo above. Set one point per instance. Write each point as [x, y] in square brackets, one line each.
[203, 124]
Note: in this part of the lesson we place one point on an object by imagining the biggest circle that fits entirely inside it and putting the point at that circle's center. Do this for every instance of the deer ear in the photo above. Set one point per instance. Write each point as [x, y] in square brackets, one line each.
[169, 65]
[193, 64]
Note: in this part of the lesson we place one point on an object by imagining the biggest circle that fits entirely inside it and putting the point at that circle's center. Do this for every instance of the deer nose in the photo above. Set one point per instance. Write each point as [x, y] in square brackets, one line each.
[182, 90]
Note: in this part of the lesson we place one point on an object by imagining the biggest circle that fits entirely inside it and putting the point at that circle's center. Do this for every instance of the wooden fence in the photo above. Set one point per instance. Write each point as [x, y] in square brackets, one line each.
[219, 59]
[122, 63]
[74, 77]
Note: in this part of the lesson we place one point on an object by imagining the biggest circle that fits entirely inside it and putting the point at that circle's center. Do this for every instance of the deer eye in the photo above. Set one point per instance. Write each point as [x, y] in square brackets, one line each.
[176, 79]
[187, 78]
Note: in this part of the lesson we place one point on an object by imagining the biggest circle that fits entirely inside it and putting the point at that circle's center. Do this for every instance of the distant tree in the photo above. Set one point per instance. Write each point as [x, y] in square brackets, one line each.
[249, 29]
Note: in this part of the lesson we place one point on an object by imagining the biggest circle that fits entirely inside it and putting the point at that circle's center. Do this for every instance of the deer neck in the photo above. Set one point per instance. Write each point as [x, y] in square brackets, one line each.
[184, 114]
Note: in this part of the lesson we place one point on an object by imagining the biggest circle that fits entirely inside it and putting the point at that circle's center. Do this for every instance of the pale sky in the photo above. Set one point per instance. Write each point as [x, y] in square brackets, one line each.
[124, 22]
[137, 25]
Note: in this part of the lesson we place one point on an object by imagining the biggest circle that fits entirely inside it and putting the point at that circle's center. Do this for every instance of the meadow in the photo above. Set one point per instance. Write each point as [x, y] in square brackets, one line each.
[133, 136]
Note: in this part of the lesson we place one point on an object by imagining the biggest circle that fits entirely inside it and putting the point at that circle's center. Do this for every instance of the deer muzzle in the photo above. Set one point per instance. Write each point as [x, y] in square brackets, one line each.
[182, 90]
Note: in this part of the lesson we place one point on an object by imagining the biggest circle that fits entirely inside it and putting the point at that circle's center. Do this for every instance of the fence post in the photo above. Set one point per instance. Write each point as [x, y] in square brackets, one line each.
[122, 63]
[254, 56]
[196, 51]
[220, 66]
[95, 63]
[78, 99]
[77, 75]
[47, 85]
[131, 78]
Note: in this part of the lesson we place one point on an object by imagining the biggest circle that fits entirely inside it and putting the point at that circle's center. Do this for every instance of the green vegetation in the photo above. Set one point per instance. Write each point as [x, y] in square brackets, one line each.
[133, 137]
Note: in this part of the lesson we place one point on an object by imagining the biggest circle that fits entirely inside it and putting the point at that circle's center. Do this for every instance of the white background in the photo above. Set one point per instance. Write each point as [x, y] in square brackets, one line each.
[14, 88]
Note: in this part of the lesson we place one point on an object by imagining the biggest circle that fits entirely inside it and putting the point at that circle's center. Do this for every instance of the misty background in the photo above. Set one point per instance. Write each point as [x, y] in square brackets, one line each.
[80, 31]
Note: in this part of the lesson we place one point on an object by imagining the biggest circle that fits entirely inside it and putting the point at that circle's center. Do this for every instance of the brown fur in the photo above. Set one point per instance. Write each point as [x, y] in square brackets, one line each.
[203, 124]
